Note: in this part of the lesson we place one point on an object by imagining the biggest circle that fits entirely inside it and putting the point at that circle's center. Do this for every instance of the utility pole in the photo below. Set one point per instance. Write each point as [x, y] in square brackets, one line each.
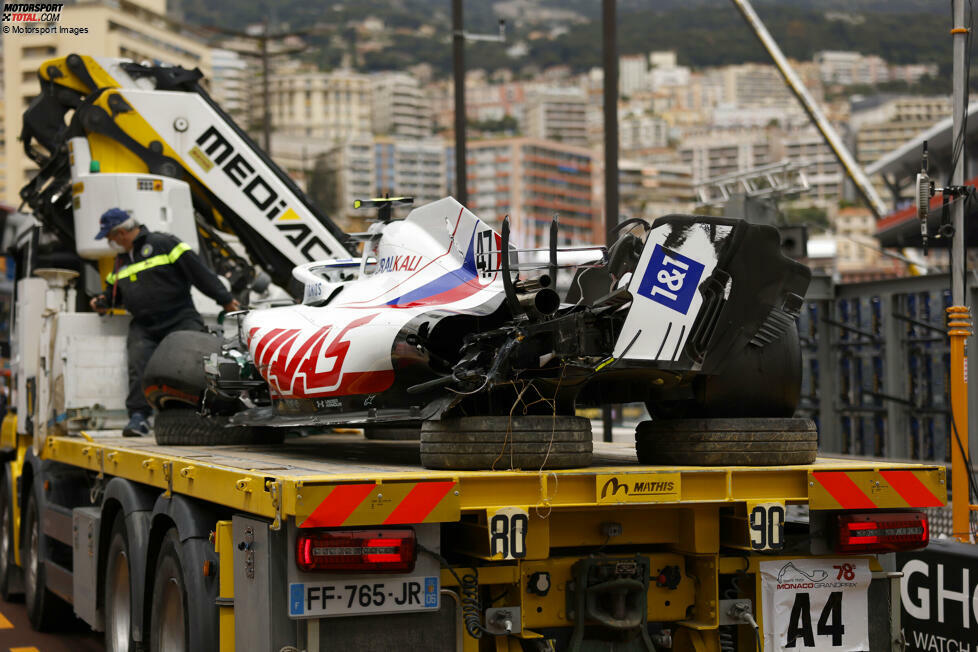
[959, 314]
[458, 69]
[459, 37]
[959, 36]
[263, 38]
[266, 122]
[610, 50]
[609, 41]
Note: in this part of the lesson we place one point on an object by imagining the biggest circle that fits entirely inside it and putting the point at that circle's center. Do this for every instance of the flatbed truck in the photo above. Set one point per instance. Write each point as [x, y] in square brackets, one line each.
[337, 542]
[333, 542]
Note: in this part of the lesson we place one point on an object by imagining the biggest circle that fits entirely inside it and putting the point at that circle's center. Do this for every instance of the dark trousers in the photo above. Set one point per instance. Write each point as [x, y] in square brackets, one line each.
[140, 345]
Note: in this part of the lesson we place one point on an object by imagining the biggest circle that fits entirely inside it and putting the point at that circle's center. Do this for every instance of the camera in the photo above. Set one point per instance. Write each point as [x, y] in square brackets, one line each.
[101, 303]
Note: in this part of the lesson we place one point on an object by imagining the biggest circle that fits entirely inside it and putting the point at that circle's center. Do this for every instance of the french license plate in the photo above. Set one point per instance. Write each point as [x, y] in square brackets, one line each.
[373, 596]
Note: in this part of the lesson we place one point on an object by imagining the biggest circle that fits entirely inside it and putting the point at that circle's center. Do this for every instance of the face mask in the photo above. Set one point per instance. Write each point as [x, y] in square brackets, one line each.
[116, 247]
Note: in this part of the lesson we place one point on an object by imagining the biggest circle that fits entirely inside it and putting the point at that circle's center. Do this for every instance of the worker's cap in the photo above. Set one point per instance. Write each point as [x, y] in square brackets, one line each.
[111, 219]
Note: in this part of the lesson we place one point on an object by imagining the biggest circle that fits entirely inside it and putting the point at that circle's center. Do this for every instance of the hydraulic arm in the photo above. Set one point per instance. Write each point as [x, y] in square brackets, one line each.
[158, 120]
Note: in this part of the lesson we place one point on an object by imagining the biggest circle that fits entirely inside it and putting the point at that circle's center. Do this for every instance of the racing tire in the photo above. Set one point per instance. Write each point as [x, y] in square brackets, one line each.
[169, 614]
[182, 426]
[393, 432]
[725, 442]
[502, 442]
[117, 580]
[10, 582]
[45, 610]
[175, 371]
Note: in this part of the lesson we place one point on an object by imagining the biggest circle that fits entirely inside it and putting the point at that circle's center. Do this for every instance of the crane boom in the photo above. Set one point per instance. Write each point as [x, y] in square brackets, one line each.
[846, 159]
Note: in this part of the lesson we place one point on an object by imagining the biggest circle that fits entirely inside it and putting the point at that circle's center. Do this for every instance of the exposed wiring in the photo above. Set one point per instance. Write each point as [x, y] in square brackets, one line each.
[474, 391]
[757, 630]
[494, 600]
[959, 143]
[741, 612]
[509, 430]
[553, 425]
[468, 590]
[969, 467]
[548, 498]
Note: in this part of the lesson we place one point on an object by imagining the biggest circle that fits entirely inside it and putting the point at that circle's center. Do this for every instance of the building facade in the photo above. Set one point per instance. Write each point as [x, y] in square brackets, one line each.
[558, 114]
[232, 86]
[650, 191]
[531, 180]
[399, 107]
[410, 168]
[712, 153]
[882, 128]
[335, 106]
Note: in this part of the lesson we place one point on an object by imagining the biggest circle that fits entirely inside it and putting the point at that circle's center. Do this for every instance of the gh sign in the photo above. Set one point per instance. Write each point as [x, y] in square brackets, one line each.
[939, 592]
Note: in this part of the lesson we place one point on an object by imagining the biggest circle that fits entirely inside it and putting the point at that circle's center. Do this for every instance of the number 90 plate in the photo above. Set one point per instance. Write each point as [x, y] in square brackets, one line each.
[373, 596]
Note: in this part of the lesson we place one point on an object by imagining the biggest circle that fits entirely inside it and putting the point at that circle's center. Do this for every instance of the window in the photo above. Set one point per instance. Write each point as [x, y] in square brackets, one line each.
[39, 51]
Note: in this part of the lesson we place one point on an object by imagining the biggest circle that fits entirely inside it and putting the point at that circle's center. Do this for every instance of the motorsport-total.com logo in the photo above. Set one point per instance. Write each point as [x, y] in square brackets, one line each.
[35, 19]
[32, 12]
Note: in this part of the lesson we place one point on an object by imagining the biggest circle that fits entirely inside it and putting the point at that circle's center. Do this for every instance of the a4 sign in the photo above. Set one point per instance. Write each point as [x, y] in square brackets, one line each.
[815, 604]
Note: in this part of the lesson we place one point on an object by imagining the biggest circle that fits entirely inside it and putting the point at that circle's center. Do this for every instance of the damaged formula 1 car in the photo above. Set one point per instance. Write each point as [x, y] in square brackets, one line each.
[444, 328]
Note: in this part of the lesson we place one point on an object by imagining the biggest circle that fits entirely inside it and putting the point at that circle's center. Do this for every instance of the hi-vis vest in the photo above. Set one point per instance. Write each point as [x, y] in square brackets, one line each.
[130, 271]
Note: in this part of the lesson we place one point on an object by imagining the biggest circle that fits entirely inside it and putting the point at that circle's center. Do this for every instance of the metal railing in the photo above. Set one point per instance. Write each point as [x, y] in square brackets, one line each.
[875, 361]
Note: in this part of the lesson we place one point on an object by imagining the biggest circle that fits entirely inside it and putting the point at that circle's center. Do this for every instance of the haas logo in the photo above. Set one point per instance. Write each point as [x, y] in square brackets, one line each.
[300, 364]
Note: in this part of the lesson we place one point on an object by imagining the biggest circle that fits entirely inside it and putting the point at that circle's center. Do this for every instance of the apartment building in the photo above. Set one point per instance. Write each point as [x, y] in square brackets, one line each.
[335, 106]
[558, 114]
[633, 74]
[712, 153]
[398, 106]
[821, 168]
[641, 131]
[349, 171]
[232, 85]
[531, 180]
[493, 101]
[410, 168]
[650, 191]
[883, 124]
[334, 175]
[846, 68]
[133, 29]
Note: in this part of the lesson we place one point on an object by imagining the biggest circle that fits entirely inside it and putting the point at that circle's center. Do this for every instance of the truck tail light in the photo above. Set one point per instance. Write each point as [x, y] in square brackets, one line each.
[884, 532]
[382, 551]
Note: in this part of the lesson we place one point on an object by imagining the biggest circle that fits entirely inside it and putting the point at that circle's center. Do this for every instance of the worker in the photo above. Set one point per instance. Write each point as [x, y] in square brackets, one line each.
[151, 279]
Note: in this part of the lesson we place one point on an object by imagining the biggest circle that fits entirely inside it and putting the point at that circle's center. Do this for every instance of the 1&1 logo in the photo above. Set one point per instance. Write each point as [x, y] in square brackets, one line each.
[671, 279]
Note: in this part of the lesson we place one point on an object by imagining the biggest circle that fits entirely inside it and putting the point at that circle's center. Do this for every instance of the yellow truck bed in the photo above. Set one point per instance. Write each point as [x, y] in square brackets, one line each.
[293, 478]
